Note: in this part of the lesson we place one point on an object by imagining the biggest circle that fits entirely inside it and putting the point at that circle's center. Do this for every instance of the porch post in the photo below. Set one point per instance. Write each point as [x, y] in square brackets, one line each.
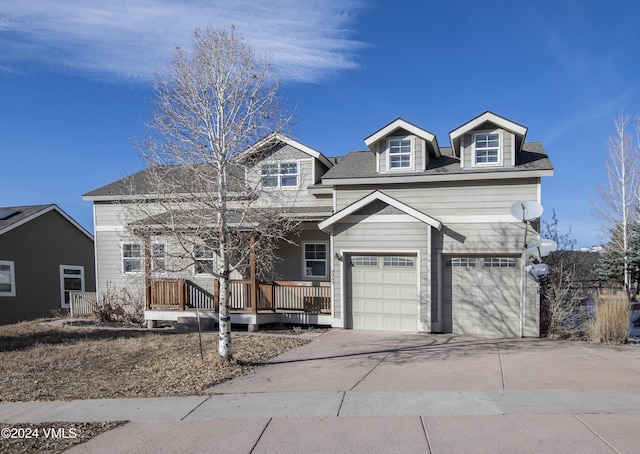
[147, 272]
[253, 276]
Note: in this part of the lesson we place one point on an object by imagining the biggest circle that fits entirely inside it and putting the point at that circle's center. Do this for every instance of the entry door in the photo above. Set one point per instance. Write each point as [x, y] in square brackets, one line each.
[71, 280]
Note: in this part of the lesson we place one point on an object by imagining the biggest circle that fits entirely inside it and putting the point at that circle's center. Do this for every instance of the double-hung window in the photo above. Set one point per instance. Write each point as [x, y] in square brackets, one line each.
[7, 278]
[280, 175]
[315, 260]
[131, 258]
[205, 257]
[399, 154]
[487, 148]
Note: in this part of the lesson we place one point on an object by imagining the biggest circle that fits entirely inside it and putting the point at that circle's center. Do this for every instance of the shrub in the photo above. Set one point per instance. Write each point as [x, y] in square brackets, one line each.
[122, 306]
[611, 321]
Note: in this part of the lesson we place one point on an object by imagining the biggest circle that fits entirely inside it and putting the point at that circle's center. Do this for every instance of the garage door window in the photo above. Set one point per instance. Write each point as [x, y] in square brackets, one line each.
[399, 261]
[364, 261]
[499, 262]
[461, 262]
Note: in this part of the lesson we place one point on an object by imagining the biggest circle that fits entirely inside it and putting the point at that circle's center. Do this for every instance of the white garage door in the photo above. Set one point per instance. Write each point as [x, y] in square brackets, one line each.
[481, 295]
[382, 293]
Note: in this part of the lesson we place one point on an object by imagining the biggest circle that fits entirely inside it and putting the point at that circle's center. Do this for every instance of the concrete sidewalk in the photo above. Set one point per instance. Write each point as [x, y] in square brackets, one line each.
[351, 391]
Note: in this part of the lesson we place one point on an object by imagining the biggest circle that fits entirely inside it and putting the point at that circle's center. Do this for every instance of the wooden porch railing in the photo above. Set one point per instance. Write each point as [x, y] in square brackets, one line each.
[309, 297]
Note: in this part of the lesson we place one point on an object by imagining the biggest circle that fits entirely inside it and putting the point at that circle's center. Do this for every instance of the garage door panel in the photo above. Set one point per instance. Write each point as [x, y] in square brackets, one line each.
[383, 297]
[481, 300]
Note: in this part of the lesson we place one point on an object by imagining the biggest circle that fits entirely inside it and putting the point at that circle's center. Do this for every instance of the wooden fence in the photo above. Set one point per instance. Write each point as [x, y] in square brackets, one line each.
[82, 303]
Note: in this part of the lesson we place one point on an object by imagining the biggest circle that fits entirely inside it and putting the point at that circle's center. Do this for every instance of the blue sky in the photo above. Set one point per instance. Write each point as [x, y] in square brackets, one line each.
[74, 81]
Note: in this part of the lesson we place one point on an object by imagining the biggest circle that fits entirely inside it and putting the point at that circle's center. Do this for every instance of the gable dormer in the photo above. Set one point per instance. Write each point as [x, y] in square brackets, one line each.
[402, 147]
[487, 141]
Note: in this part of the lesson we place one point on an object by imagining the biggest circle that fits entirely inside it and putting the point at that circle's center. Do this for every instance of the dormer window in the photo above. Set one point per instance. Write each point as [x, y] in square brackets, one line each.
[487, 148]
[400, 154]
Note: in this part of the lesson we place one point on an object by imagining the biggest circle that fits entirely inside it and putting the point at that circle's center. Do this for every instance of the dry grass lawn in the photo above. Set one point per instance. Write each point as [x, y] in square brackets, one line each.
[45, 361]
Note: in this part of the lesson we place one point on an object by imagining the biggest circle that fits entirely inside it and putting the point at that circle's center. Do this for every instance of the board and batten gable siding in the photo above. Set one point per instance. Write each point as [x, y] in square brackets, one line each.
[381, 238]
[310, 171]
[507, 140]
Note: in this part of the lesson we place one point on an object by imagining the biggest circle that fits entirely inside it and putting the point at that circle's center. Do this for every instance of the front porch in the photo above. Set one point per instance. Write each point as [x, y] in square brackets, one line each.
[251, 303]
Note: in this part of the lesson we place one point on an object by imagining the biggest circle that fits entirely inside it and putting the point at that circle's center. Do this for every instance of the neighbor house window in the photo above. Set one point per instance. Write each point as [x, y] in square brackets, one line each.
[7, 278]
[487, 148]
[131, 258]
[399, 154]
[71, 280]
[461, 262]
[280, 175]
[204, 256]
[158, 257]
[315, 259]
[499, 262]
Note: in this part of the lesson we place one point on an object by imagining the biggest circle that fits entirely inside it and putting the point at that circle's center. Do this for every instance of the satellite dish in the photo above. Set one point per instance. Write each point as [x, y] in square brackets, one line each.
[542, 247]
[537, 272]
[527, 210]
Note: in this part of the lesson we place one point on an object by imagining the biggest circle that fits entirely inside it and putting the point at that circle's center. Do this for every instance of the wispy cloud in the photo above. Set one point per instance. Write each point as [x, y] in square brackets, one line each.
[131, 39]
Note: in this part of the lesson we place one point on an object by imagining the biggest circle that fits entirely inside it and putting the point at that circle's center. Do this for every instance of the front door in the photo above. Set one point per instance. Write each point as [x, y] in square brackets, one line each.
[71, 280]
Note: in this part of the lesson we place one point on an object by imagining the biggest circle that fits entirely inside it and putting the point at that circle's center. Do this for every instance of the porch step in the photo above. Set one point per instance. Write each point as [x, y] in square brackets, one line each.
[191, 324]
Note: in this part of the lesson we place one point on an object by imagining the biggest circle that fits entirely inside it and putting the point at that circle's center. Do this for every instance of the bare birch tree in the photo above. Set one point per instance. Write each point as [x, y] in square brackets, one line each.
[215, 102]
[618, 199]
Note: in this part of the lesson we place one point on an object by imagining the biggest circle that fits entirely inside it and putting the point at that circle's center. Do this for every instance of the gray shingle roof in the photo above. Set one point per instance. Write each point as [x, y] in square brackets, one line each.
[21, 213]
[362, 164]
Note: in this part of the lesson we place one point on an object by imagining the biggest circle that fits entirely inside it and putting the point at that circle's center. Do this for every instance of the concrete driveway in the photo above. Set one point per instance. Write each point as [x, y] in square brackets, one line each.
[364, 392]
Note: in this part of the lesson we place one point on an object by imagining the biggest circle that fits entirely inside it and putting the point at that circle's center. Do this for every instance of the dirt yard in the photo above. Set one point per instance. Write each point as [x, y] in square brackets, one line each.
[53, 361]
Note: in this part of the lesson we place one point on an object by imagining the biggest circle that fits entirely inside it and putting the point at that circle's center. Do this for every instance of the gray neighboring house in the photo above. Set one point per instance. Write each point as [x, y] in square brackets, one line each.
[44, 254]
[406, 236]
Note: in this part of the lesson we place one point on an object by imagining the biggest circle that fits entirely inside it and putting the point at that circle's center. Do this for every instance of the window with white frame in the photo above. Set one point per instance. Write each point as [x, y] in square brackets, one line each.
[7, 278]
[315, 260]
[280, 175]
[71, 280]
[487, 148]
[131, 258]
[158, 257]
[400, 154]
[205, 257]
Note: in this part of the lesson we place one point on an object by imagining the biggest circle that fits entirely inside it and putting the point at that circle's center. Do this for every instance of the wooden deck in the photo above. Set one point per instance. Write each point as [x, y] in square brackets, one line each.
[244, 296]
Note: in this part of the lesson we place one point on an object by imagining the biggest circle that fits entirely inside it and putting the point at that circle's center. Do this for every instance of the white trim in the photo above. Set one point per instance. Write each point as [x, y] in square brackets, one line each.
[12, 278]
[109, 228]
[476, 218]
[492, 118]
[40, 213]
[424, 152]
[437, 326]
[379, 218]
[326, 260]
[95, 253]
[458, 176]
[377, 195]
[275, 137]
[62, 277]
[398, 124]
